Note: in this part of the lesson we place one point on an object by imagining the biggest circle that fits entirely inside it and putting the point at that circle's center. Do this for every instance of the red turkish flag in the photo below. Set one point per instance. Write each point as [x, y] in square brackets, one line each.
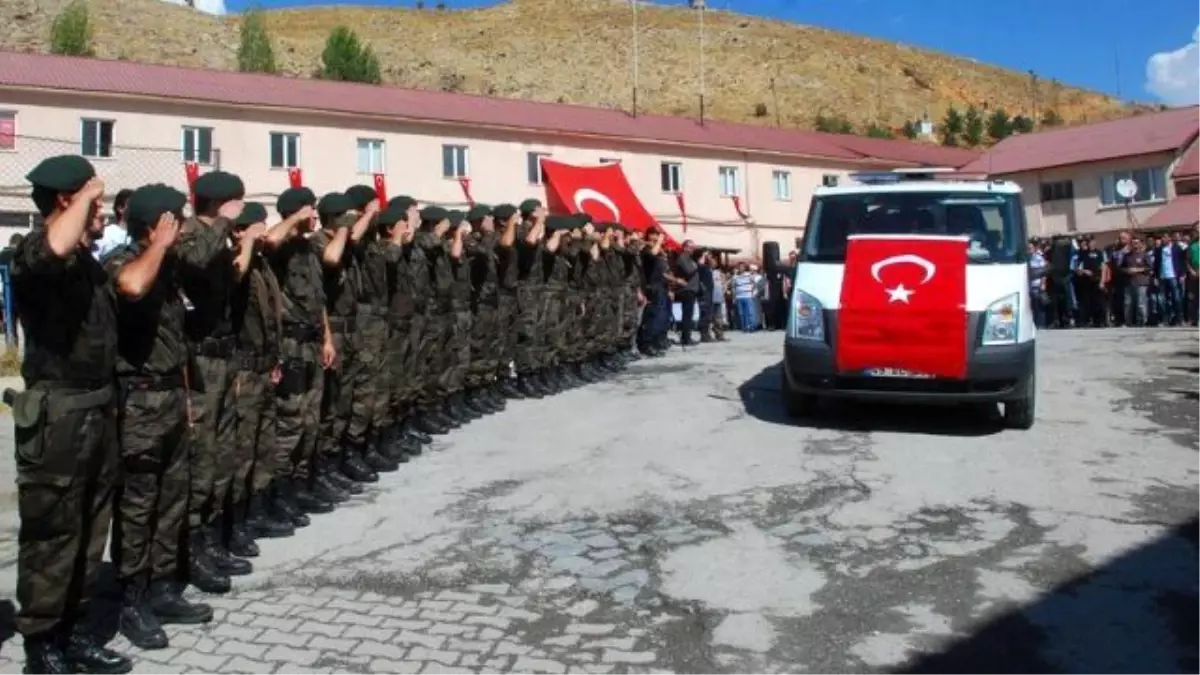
[381, 189]
[904, 305]
[603, 192]
[295, 178]
[192, 171]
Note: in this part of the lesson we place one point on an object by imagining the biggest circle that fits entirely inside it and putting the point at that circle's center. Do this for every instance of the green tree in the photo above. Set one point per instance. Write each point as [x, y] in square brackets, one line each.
[876, 131]
[952, 126]
[911, 130]
[346, 58]
[999, 125]
[71, 32]
[1022, 124]
[1051, 119]
[255, 53]
[833, 125]
[973, 127]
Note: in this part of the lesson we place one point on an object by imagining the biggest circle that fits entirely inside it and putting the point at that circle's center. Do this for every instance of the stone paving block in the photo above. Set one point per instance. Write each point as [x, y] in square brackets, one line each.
[381, 649]
[626, 644]
[285, 625]
[406, 637]
[263, 608]
[582, 657]
[305, 600]
[590, 628]
[203, 644]
[241, 648]
[525, 664]
[244, 665]
[349, 605]
[229, 602]
[368, 633]
[436, 605]
[450, 629]
[293, 668]
[497, 664]
[304, 657]
[328, 644]
[477, 646]
[601, 541]
[518, 614]
[457, 596]
[620, 656]
[562, 641]
[509, 648]
[435, 667]
[322, 615]
[583, 608]
[389, 666]
[442, 616]
[332, 630]
[357, 619]
[490, 589]
[196, 661]
[605, 568]
[406, 624]
[238, 618]
[394, 611]
[604, 553]
[490, 621]
[473, 608]
[490, 634]
[276, 637]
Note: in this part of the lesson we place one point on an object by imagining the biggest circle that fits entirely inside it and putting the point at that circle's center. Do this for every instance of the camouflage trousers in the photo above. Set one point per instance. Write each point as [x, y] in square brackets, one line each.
[298, 400]
[506, 331]
[337, 403]
[456, 354]
[430, 356]
[66, 456]
[211, 450]
[257, 460]
[485, 347]
[555, 326]
[151, 501]
[575, 312]
[401, 375]
[371, 396]
[529, 325]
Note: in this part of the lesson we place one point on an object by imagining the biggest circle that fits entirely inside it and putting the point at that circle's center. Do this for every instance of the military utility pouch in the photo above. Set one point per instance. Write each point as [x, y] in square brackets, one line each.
[294, 378]
[29, 422]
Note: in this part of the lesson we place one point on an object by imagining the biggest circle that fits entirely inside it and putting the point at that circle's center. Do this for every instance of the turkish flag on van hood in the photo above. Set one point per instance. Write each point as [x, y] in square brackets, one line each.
[603, 192]
[904, 305]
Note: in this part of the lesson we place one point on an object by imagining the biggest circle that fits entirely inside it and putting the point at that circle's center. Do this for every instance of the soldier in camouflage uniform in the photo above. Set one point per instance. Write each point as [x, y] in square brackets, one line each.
[342, 231]
[306, 349]
[578, 307]
[151, 505]
[506, 218]
[556, 268]
[530, 316]
[64, 420]
[482, 248]
[206, 272]
[435, 347]
[453, 380]
[258, 326]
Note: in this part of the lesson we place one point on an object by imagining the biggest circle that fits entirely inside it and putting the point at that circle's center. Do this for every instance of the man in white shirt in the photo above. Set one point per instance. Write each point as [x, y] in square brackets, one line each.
[115, 235]
[745, 298]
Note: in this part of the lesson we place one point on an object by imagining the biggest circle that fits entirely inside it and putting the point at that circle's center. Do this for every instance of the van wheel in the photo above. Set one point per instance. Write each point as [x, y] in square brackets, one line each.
[1019, 413]
[796, 404]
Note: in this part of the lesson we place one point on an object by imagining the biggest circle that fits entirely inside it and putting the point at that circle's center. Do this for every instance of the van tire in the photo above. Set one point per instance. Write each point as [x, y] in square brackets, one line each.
[1020, 413]
[797, 405]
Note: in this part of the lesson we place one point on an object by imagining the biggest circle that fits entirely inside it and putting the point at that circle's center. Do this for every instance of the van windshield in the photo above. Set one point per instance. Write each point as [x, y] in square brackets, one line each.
[994, 223]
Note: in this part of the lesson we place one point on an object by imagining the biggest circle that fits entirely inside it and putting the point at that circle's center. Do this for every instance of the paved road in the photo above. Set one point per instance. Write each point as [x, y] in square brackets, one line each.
[672, 520]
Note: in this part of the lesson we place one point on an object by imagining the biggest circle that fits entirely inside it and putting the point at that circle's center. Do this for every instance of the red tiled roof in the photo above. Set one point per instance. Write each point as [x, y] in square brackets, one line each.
[1182, 211]
[44, 71]
[1189, 165]
[1140, 135]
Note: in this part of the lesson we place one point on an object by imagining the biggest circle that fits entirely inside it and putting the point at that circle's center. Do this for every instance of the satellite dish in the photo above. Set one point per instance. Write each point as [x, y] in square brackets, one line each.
[1127, 189]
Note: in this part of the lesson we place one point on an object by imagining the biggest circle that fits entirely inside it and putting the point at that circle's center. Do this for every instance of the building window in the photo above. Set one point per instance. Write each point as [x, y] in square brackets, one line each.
[1151, 186]
[285, 150]
[455, 161]
[672, 177]
[96, 138]
[196, 144]
[782, 182]
[371, 156]
[1060, 191]
[8, 130]
[533, 167]
[609, 160]
[730, 181]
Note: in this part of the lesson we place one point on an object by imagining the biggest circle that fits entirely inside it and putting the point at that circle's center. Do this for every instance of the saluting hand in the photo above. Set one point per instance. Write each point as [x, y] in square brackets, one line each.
[231, 209]
[254, 232]
[166, 231]
[372, 207]
[92, 191]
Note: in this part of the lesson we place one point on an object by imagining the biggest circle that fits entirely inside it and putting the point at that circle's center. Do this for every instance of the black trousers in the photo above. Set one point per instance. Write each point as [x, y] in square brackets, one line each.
[687, 302]
[706, 315]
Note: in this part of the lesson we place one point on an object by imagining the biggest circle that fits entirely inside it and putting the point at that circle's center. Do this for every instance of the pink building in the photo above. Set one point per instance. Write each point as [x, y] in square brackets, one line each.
[140, 123]
[1069, 176]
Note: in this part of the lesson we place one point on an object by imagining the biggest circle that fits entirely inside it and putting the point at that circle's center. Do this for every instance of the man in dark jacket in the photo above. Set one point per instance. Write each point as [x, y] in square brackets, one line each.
[687, 289]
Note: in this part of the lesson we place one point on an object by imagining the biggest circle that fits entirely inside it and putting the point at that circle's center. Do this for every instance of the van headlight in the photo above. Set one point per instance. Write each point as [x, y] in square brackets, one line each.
[807, 321]
[1001, 320]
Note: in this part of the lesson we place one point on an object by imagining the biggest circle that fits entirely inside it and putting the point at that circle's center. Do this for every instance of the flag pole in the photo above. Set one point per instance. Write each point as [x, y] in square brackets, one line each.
[635, 57]
[702, 92]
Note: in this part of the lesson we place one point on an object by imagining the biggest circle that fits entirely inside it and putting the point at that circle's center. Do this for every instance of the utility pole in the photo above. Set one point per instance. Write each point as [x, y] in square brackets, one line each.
[775, 101]
[635, 57]
[702, 92]
[1117, 68]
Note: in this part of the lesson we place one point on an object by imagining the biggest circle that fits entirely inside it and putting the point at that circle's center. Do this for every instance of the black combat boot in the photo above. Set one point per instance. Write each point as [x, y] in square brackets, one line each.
[507, 387]
[440, 414]
[306, 500]
[322, 486]
[426, 423]
[496, 396]
[527, 385]
[44, 654]
[283, 503]
[168, 605]
[542, 381]
[238, 538]
[330, 467]
[85, 652]
[203, 572]
[452, 410]
[356, 469]
[375, 459]
[222, 558]
[408, 429]
[137, 621]
[473, 406]
[262, 522]
[387, 443]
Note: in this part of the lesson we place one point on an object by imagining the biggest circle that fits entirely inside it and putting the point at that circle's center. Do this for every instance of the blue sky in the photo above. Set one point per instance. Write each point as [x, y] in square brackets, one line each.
[1080, 42]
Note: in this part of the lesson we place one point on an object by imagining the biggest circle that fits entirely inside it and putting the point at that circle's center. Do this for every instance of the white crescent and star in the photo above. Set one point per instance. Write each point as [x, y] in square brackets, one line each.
[589, 195]
[899, 293]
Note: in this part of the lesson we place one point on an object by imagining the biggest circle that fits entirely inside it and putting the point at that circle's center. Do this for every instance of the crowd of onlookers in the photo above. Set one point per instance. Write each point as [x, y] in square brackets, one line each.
[1139, 280]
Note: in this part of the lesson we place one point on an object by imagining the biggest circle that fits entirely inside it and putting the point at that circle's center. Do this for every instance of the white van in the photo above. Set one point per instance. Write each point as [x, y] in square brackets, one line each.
[914, 205]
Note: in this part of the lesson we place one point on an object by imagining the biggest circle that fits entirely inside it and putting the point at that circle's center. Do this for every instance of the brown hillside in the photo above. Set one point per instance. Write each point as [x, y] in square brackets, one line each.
[578, 51]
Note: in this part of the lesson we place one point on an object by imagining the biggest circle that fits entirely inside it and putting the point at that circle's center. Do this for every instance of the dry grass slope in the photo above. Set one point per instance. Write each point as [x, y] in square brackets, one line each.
[578, 51]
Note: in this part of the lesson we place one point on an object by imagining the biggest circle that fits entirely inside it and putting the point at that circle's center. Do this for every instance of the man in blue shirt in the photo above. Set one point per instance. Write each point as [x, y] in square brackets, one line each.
[115, 234]
[1168, 270]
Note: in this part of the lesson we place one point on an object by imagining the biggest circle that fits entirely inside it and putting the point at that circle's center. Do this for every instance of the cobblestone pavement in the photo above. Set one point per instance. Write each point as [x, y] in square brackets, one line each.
[673, 520]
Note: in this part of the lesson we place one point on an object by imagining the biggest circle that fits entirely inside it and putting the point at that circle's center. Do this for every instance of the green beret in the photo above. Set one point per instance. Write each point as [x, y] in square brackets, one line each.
[361, 195]
[433, 214]
[529, 206]
[252, 212]
[584, 219]
[219, 186]
[556, 223]
[456, 217]
[403, 202]
[392, 215]
[479, 212]
[294, 199]
[334, 204]
[148, 203]
[503, 212]
[64, 173]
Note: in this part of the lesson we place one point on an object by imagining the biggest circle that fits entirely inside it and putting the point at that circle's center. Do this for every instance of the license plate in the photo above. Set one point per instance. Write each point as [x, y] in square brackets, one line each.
[896, 372]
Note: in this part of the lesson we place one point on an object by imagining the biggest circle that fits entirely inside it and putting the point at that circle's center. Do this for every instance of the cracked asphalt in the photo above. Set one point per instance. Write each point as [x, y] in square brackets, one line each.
[672, 519]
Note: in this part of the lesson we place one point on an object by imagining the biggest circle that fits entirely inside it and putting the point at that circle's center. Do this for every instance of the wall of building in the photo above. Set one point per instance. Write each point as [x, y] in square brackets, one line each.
[147, 148]
[1085, 212]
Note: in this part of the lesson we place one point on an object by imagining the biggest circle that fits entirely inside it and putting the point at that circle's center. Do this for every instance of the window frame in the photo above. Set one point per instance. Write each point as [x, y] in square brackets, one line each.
[458, 172]
[372, 143]
[786, 175]
[283, 136]
[100, 122]
[184, 131]
[1154, 174]
[736, 173]
[1057, 191]
[671, 177]
[533, 164]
